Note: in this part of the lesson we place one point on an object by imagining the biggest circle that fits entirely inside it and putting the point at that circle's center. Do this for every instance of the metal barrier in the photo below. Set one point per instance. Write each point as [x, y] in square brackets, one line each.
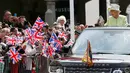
[41, 64]
[1, 65]
[5, 65]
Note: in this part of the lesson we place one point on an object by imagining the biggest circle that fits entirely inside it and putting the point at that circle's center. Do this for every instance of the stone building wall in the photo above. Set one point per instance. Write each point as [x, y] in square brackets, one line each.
[33, 8]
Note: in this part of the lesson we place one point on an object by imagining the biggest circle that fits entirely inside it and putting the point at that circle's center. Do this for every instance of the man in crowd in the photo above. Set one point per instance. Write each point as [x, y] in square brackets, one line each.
[7, 14]
[23, 23]
[116, 20]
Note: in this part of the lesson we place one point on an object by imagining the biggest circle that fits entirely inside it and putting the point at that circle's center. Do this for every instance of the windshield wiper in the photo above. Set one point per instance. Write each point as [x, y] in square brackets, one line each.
[102, 53]
[126, 54]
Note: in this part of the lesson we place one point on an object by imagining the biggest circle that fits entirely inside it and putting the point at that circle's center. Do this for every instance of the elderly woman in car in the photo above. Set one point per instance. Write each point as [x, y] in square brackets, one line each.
[116, 20]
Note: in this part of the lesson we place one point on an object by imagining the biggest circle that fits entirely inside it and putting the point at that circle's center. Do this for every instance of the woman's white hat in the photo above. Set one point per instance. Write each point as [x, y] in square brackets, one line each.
[115, 7]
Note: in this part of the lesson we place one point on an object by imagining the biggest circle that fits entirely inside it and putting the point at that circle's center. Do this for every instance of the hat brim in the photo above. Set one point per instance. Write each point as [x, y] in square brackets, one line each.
[115, 10]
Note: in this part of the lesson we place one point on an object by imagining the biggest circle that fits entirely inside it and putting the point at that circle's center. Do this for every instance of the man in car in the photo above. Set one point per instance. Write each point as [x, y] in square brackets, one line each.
[116, 20]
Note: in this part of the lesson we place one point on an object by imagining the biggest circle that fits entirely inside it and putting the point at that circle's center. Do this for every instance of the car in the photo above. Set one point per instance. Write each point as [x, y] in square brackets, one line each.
[110, 52]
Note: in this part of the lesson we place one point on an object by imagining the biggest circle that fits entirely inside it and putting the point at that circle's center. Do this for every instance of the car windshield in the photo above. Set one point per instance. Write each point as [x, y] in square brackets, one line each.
[103, 41]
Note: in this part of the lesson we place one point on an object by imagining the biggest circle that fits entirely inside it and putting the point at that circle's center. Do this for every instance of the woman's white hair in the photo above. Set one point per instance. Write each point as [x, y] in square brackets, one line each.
[61, 18]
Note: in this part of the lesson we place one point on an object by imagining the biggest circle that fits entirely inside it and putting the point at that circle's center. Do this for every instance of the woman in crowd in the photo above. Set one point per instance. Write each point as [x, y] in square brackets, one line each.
[61, 21]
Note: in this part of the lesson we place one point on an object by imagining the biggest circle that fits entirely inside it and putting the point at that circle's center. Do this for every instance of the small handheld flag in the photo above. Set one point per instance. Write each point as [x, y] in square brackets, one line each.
[38, 23]
[57, 45]
[14, 55]
[53, 38]
[50, 51]
[29, 35]
[44, 49]
[63, 35]
[88, 55]
[38, 35]
[11, 40]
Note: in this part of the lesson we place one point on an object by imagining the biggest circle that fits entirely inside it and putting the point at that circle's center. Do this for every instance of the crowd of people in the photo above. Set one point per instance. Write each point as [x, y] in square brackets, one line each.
[22, 43]
[27, 46]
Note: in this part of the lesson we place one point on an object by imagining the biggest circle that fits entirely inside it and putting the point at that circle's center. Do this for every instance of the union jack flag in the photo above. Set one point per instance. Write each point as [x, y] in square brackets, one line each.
[53, 38]
[33, 35]
[38, 36]
[57, 45]
[11, 40]
[14, 55]
[29, 35]
[62, 35]
[44, 49]
[47, 50]
[38, 23]
[20, 40]
[50, 51]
